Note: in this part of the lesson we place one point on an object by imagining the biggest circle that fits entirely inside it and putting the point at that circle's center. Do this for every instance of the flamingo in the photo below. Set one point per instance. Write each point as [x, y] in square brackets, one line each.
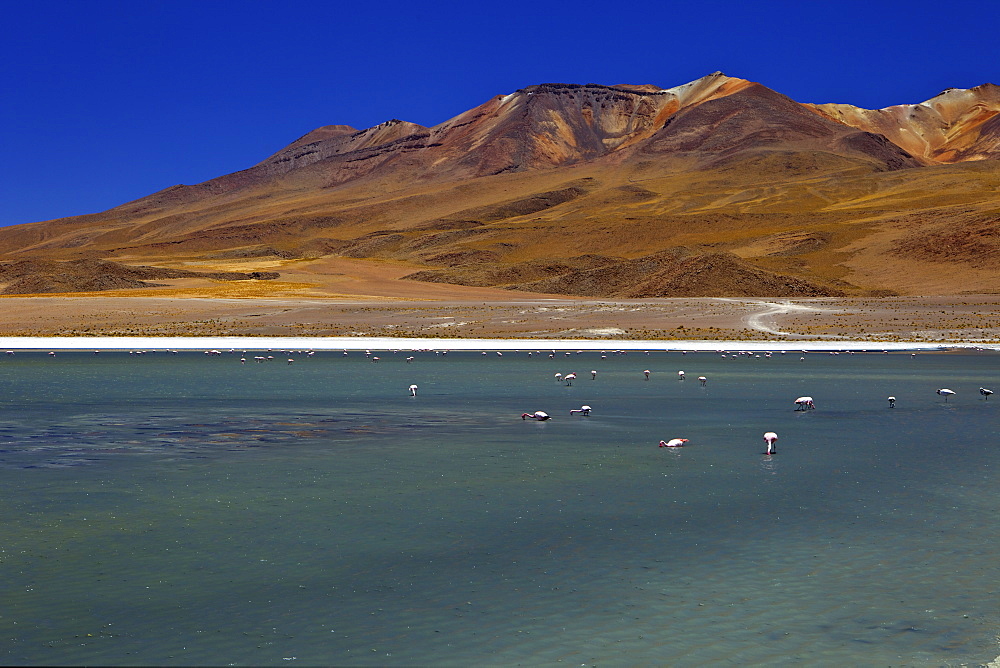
[647, 373]
[569, 378]
[413, 390]
[674, 443]
[583, 410]
[541, 416]
[593, 375]
[945, 392]
[558, 377]
[986, 393]
[770, 438]
[804, 404]
[702, 380]
[892, 402]
[680, 375]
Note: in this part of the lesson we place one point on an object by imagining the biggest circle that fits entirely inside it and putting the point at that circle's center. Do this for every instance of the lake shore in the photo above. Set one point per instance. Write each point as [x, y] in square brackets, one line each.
[964, 319]
[228, 344]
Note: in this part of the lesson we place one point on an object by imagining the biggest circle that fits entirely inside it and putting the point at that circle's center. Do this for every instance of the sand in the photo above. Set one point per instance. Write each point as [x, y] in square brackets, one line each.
[344, 297]
[966, 319]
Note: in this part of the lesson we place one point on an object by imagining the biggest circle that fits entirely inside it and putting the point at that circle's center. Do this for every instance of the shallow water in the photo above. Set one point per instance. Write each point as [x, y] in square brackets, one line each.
[190, 510]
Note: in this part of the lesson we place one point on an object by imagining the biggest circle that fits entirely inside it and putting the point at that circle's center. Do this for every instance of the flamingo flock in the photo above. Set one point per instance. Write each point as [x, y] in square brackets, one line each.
[802, 404]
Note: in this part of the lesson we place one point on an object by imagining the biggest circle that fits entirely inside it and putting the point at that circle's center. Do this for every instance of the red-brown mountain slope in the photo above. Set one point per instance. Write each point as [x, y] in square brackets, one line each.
[954, 126]
[756, 192]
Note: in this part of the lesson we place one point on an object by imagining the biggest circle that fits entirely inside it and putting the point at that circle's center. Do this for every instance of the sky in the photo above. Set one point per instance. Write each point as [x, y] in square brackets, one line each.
[106, 101]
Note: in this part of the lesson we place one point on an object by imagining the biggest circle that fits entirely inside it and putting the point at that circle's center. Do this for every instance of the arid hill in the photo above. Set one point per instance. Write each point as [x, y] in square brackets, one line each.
[45, 276]
[718, 187]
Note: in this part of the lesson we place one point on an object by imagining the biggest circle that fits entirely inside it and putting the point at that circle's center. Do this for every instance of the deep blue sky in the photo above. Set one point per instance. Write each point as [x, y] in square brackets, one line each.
[102, 101]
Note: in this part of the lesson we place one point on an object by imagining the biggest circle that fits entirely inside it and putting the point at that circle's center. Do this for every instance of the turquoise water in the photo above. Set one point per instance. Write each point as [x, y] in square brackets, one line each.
[189, 510]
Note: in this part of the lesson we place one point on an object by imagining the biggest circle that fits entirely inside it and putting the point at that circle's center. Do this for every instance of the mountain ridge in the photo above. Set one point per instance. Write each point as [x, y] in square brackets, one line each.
[722, 168]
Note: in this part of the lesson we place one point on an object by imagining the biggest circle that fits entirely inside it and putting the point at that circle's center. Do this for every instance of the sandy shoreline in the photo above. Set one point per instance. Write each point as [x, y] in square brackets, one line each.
[592, 323]
[224, 344]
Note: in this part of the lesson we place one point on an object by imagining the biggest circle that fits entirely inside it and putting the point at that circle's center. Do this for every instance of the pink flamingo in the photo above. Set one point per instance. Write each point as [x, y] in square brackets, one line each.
[541, 416]
[804, 404]
[674, 443]
[770, 438]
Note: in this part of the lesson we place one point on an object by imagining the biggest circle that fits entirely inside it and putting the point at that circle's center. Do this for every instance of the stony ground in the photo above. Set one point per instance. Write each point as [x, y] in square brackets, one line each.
[211, 311]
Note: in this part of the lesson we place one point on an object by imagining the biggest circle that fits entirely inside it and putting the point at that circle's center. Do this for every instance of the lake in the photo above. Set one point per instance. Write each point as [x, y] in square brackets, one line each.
[190, 509]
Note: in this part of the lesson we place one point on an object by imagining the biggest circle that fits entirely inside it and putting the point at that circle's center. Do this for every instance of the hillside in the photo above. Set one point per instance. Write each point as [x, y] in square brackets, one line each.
[718, 187]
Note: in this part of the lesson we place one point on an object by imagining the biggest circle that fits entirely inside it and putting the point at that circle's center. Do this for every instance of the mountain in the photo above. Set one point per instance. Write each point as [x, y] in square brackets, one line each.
[718, 187]
[954, 126]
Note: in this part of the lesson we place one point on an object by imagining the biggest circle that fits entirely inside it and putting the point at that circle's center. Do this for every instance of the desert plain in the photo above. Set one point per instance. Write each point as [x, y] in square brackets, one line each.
[349, 297]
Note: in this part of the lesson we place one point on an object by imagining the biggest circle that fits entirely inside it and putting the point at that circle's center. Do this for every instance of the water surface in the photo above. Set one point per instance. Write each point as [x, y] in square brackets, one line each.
[192, 510]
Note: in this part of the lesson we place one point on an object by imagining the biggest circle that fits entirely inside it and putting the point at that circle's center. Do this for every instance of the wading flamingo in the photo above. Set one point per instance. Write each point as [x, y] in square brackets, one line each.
[413, 390]
[770, 438]
[541, 416]
[804, 404]
[583, 410]
[892, 402]
[674, 443]
[945, 392]
[986, 393]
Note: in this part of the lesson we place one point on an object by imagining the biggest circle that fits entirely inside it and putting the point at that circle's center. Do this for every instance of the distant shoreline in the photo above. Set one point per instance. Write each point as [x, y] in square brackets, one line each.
[55, 343]
[714, 322]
